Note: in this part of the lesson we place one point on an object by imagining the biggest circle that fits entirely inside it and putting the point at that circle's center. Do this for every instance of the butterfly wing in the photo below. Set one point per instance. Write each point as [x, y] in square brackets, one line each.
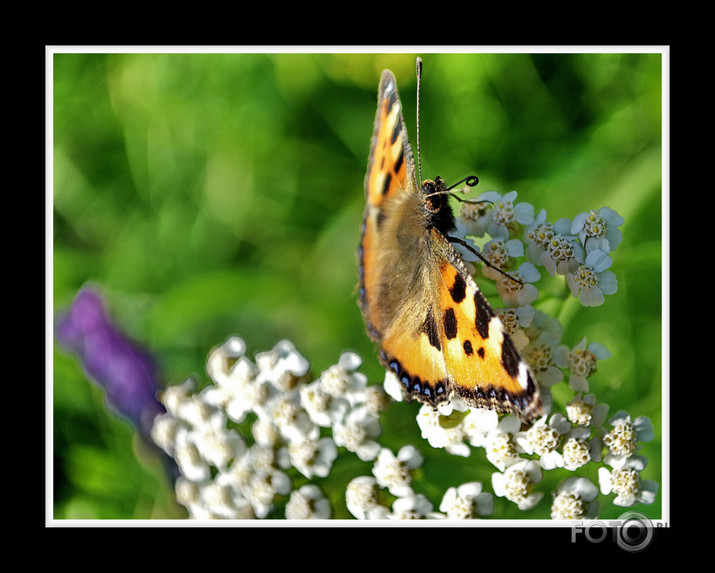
[484, 366]
[391, 165]
[435, 329]
[390, 180]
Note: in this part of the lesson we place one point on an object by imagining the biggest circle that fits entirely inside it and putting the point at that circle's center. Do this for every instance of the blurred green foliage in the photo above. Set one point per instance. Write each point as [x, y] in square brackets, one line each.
[216, 194]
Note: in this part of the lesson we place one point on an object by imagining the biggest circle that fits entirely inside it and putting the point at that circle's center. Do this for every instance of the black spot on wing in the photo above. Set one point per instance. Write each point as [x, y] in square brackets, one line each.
[396, 131]
[386, 183]
[379, 219]
[449, 320]
[429, 327]
[510, 357]
[484, 315]
[400, 160]
[458, 290]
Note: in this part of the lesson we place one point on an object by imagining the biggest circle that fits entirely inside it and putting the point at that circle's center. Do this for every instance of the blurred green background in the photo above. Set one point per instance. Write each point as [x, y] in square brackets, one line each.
[219, 194]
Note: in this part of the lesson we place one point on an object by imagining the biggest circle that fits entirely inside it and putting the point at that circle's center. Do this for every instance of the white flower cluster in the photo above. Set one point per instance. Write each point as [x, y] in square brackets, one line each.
[225, 476]
[578, 249]
[363, 495]
[301, 424]
[294, 423]
[624, 478]
[393, 473]
[554, 441]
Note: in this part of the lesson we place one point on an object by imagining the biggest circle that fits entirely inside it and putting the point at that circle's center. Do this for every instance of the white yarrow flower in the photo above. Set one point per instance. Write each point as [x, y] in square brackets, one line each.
[579, 448]
[622, 441]
[499, 444]
[357, 433]
[263, 487]
[543, 439]
[539, 353]
[219, 445]
[467, 501]
[598, 229]
[283, 365]
[575, 499]
[478, 424]
[592, 280]
[362, 498]
[410, 505]
[189, 459]
[516, 483]
[310, 457]
[582, 362]
[500, 254]
[441, 431]
[394, 472]
[323, 408]
[308, 502]
[515, 294]
[625, 481]
[537, 236]
[504, 214]
[584, 411]
[292, 420]
[342, 380]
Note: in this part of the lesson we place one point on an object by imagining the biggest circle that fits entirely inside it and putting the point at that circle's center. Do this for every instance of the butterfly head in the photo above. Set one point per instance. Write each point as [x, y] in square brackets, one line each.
[435, 198]
[435, 195]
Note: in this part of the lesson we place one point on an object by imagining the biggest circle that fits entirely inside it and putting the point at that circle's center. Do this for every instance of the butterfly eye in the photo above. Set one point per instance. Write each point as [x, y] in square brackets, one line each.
[434, 203]
[434, 194]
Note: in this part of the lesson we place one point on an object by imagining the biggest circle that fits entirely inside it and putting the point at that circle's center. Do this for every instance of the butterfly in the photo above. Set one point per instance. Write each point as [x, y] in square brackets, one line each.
[435, 329]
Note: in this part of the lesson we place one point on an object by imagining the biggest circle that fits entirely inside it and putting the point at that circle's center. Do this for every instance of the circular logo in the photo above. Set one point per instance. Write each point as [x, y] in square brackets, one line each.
[635, 532]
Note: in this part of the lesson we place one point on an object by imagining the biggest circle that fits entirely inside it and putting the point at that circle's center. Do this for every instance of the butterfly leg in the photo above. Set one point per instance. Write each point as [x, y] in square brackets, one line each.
[479, 255]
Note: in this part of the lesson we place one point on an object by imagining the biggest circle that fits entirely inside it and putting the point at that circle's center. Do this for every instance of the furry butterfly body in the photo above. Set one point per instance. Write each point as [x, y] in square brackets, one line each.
[435, 329]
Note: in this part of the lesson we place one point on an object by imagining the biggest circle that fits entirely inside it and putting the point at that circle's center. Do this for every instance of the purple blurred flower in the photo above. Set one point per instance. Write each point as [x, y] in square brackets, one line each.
[126, 372]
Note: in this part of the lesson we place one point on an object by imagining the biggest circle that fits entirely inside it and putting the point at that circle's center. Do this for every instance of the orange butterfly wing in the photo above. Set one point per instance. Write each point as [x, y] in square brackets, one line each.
[390, 170]
[435, 329]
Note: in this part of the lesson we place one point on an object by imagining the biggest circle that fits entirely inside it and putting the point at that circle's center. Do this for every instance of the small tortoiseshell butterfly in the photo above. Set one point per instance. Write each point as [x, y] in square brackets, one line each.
[435, 329]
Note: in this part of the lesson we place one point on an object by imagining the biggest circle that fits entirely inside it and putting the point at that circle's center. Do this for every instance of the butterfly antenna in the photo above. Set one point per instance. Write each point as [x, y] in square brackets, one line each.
[470, 181]
[419, 81]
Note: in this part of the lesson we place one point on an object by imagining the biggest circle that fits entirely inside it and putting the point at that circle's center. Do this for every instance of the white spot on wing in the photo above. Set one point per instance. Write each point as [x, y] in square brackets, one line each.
[523, 375]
